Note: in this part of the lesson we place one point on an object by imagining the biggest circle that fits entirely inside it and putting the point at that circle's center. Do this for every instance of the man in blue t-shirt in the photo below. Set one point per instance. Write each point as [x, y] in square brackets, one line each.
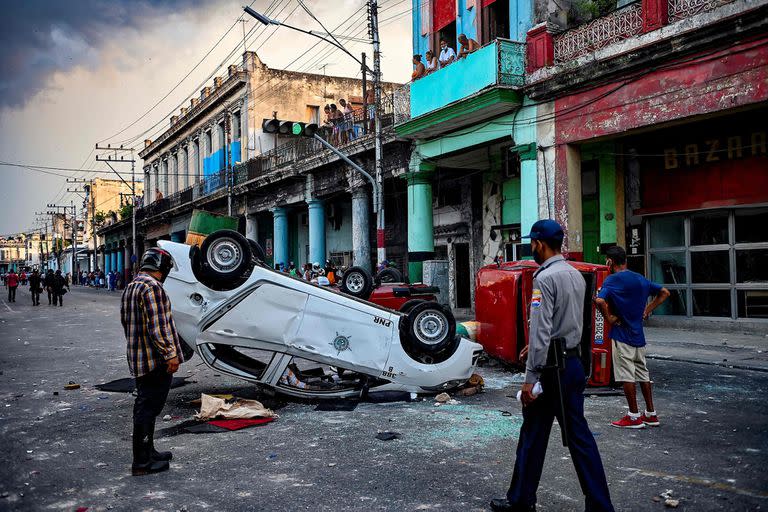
[623, 301]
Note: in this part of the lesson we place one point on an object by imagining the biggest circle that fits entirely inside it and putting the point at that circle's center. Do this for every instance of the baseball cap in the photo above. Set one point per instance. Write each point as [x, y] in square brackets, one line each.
[545, 229]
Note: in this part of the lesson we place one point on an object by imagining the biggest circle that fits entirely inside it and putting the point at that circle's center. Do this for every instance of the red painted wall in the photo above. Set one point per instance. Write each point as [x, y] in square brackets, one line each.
[443, 12]
[731, 78]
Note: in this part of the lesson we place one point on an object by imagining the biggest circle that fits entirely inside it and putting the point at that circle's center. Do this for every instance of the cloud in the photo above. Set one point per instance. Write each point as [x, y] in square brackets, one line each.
[41, 37]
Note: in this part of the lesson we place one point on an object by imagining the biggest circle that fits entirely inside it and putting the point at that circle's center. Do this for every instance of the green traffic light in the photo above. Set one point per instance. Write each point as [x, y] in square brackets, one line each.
[296, 129]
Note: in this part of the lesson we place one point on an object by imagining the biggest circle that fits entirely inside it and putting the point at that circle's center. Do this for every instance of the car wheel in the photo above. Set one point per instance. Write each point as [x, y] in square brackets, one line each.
[357, 282]
[225, 256]
[257, 251]
[389, 275]
[405, 308]
[429, 329]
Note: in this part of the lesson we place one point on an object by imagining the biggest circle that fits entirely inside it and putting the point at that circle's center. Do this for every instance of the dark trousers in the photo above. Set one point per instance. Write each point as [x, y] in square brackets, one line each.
[35, 297]
[12, 294]
[534, 438]
[151, 393]
[58, 297]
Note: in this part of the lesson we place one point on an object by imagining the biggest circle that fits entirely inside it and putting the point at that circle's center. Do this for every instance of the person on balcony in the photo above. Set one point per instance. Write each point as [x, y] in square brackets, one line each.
[158, 194]
[346, 124]
[447, 54]
[419, 70]
[468, 45]
[431, 61]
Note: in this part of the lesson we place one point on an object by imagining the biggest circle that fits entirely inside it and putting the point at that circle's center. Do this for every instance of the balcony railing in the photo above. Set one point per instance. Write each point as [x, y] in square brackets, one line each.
[296, 149]
[618, 25]
[498, 63]
[681, 9]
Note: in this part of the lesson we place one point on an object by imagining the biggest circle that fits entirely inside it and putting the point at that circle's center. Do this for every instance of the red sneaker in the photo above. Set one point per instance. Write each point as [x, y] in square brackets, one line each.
[651, 421]
[627, 422]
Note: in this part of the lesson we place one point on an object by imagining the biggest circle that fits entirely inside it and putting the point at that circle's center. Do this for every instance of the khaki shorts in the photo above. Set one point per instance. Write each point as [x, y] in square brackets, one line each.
[629, 363]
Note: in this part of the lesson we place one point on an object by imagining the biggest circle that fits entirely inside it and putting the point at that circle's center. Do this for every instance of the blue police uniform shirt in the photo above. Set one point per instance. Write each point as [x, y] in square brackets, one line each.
[627, 293]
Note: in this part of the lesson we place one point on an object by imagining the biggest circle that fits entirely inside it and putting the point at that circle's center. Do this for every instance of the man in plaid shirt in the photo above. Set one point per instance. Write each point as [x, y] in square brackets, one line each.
[154, 355]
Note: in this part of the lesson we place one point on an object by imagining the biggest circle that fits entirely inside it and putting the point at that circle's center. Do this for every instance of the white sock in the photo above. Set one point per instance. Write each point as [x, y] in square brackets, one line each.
[634, 415]
[650, 413]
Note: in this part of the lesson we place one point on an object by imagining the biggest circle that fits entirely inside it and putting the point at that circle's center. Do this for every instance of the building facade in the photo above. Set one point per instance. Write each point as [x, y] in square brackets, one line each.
[300, 201]
[657, 142]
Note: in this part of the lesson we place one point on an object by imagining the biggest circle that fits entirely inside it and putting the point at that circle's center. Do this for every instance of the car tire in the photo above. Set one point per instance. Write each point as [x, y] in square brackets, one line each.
[405, 308]
[225, 256]
[257, 251]
[357, 282]
[389, 275]
[429, 329]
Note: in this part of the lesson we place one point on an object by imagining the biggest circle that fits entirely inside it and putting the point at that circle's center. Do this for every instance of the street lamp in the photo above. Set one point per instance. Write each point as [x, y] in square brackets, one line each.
[378, 189]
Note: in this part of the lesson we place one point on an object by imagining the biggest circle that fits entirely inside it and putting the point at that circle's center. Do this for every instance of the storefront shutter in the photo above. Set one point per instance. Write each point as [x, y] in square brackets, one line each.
[444, 13]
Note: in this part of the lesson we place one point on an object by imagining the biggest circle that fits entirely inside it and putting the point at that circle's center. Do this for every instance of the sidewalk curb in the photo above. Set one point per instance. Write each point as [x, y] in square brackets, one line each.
[707, 363]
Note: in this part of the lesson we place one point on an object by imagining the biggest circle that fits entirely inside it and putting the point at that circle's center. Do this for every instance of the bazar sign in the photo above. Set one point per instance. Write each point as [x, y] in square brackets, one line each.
[715, 150]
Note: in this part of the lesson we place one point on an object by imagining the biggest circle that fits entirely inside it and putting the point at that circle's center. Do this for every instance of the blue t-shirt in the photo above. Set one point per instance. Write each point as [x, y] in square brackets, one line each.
[627, 293]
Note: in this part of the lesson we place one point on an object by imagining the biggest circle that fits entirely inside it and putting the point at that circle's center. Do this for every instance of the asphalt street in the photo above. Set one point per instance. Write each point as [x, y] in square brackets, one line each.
[68, 449]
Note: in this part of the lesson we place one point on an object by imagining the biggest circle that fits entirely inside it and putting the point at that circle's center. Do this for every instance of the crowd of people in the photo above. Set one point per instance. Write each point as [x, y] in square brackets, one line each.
[446, 56]
[312, 272]
[52, 282]
[343, 123]
[56, 284]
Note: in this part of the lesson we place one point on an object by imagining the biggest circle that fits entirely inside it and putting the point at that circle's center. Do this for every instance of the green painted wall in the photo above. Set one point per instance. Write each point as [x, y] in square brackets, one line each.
[595, 215]
[510, 205]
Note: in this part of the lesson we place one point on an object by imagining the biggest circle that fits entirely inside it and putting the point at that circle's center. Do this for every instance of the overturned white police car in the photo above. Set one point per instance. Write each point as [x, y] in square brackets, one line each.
[250, 321]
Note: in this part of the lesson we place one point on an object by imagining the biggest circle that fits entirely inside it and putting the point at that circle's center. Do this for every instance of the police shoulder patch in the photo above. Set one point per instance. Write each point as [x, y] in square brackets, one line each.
[536, 298]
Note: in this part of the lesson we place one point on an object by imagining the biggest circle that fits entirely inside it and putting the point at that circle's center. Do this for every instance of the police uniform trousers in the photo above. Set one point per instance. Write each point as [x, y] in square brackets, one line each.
[151, 393]
[534, 438]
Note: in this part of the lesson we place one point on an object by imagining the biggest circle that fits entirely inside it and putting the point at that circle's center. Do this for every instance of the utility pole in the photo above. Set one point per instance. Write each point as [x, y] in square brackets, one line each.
[373, 12]
[113, 158]
[365, 94]
[87, 187]
[71, 207]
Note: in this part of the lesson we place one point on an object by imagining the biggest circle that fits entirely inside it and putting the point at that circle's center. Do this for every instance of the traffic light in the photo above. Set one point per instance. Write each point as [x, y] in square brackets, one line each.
[289, 128]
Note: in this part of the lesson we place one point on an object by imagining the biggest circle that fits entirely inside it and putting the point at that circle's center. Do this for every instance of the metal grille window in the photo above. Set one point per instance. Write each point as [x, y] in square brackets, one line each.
[715, 263]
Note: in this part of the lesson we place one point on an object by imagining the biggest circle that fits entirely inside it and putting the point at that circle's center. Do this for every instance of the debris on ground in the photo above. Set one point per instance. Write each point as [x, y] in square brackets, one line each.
[212, 407]
[670, 503]
[666, 494]
[224, 396]
[128, 384]
[442, 398]
[72, 385]
[167, 417]
[388, 436]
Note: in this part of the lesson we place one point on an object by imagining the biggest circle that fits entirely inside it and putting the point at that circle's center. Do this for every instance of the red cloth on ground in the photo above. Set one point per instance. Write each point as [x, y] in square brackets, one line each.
[240, 423]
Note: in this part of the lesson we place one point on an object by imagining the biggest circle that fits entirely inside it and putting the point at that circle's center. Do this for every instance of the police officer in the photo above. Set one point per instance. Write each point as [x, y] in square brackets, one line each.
[557, 305]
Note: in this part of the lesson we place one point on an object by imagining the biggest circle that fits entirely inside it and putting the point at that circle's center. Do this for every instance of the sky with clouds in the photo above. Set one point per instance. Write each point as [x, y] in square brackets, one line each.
[76, 72]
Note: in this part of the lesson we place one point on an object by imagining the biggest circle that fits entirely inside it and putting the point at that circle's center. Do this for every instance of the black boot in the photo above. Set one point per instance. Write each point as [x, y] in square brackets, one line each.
[156, 455]
[143, 463]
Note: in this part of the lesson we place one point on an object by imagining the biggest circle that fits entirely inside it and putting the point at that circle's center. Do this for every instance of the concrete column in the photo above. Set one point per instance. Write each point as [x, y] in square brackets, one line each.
[107, 261]
[113, 266]
[361, 240]
[280, 243]
[421, 238]
[120, 259]
[316, 231]
[251, 227]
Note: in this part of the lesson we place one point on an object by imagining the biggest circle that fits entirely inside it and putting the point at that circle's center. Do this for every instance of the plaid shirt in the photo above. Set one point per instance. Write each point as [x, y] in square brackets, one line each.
[149, 329]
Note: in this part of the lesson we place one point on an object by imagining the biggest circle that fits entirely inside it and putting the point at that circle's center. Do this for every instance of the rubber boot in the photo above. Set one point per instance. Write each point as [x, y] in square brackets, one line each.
[156, 455]
[143, 463]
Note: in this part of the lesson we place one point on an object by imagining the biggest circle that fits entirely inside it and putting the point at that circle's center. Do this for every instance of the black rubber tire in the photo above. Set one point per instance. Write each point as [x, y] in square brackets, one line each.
[405, 308]
[389, 275]
[357, 282]
[219, 273]
[415, 336]
[257, 251]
